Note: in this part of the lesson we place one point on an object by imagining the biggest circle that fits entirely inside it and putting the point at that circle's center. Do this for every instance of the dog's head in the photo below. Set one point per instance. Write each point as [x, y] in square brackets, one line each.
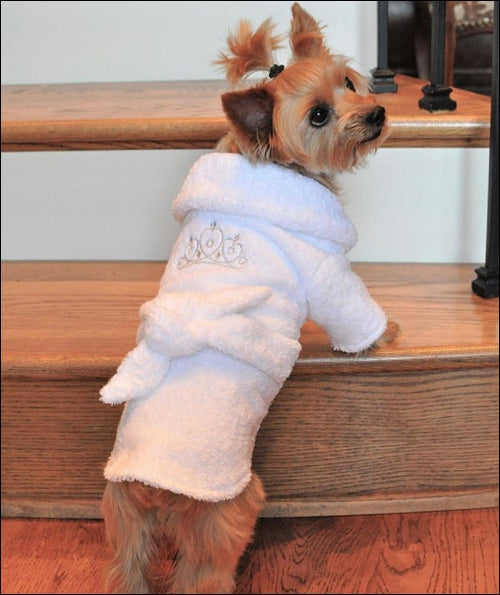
[315, 115]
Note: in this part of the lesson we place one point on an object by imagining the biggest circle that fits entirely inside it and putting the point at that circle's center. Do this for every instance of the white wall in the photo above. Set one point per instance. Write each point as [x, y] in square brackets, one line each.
[421, 205]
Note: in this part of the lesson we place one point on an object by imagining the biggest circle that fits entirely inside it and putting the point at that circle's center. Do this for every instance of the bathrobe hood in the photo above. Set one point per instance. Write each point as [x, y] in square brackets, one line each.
[229, 183]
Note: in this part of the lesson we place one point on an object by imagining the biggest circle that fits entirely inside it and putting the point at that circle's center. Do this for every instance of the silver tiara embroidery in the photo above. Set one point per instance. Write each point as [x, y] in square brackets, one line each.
[213, 247]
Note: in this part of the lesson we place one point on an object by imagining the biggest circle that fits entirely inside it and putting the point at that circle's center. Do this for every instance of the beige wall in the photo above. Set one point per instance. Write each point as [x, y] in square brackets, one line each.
[423, 205]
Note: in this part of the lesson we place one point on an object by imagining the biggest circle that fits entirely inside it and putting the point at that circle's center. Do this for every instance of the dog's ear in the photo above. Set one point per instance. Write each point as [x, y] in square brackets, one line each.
[306, 37]
[250, 111]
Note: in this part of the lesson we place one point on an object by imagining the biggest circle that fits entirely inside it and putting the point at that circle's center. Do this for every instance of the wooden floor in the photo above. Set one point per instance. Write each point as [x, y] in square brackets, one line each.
[437, 552]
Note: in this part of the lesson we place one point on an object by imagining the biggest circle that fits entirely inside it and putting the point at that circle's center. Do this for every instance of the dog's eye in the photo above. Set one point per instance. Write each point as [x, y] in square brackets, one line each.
[349, 84]
[319, 115]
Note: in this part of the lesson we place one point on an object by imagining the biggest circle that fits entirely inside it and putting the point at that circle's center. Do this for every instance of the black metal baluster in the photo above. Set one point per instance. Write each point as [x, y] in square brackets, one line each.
[436, 93]
[382, 80]
[486, 283]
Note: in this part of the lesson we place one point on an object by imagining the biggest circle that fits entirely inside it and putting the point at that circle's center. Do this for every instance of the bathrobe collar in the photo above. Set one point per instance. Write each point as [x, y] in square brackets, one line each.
[229, 183]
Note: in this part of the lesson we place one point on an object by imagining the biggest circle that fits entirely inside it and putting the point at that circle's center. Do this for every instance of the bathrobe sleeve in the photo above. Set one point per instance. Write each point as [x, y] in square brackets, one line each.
[340, 302]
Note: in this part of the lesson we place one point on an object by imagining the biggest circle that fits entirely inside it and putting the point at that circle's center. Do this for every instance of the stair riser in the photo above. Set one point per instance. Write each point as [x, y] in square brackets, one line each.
[350, 438]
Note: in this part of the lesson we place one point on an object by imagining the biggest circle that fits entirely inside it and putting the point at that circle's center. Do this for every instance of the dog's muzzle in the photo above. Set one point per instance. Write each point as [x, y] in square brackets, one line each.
[374, 122]
[376, 118]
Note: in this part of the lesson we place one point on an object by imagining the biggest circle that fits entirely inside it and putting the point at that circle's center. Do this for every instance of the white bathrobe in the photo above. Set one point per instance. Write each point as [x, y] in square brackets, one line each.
[261, 249]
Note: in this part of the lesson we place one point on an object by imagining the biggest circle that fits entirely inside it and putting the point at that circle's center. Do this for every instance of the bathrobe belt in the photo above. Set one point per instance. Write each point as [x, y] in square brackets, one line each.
[179, 324]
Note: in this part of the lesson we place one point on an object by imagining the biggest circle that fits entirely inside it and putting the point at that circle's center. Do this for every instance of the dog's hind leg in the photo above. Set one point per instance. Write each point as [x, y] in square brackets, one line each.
[211, 538]
[130, 522]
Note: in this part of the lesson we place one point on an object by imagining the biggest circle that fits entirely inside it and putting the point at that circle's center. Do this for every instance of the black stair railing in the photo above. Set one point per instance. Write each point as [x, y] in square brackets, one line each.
[437, 98]
[436, 93]
[382, 80]
[486, 283]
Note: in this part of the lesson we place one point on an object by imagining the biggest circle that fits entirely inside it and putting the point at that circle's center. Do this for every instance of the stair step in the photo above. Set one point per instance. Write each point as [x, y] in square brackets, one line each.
[188, 115]
[411, 426]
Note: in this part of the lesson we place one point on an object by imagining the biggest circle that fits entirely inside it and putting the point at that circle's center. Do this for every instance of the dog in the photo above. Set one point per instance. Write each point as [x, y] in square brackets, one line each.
[261, 249]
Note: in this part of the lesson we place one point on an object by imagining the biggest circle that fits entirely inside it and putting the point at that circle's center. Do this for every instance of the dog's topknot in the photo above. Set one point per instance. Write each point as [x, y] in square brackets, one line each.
[252, 51]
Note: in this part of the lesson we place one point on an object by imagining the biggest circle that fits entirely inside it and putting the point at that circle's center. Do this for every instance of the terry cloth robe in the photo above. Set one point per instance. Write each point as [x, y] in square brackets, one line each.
[261, 248]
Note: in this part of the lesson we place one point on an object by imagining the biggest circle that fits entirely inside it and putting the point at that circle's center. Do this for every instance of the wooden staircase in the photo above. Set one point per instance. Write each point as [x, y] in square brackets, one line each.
[188, 115]
[412, 426]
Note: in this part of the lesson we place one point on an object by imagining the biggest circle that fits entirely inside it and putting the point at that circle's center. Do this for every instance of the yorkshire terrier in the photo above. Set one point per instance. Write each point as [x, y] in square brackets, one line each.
[261, 249]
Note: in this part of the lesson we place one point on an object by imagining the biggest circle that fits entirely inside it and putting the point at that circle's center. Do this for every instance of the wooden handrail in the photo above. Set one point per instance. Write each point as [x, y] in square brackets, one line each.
[188, 114]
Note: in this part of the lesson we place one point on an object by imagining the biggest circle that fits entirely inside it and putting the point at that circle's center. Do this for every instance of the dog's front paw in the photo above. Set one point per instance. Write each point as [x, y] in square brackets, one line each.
[392, 330]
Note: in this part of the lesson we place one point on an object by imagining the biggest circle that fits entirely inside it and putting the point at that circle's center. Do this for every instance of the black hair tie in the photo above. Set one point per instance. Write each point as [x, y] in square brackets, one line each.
[275, 70]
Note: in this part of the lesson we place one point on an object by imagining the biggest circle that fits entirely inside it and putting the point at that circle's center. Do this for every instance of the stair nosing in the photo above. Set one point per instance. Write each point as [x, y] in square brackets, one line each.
[438, 358]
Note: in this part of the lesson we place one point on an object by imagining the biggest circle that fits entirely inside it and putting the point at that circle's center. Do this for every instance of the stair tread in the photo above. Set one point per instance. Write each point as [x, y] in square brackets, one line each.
[188, 114]
[419, 434]
[62, 316]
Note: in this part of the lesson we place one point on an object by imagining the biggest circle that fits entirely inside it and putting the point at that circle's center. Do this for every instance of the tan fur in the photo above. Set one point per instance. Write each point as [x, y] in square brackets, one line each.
[269, 121]
[210, 537]
[251, 51]
[313, 76]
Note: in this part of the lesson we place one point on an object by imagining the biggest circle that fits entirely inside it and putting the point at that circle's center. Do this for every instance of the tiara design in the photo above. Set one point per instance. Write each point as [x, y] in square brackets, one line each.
[212, 246]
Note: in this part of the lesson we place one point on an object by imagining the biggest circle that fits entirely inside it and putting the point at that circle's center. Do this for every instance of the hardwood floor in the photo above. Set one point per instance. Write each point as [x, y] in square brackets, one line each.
[437, 552]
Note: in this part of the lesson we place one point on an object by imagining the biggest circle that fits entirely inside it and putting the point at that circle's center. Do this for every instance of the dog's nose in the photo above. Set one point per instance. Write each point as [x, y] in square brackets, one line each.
[376, 117]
